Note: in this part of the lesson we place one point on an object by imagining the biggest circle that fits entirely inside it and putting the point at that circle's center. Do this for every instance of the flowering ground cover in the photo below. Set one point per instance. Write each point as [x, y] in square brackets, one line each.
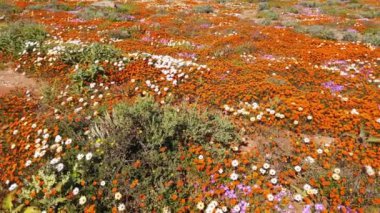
[190, 106]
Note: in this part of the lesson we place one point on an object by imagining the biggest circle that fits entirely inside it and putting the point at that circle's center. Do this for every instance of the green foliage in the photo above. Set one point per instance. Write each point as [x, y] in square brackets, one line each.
[162, 126]
[247, 48]
[137, 133]
[372, 38]
[88, 74]
[121, 13]
[126, 8]
[268, 15]
[125, 33]
[318, 31]
[289, 23]
[222, 1]
[13, 37]
[7, 9]
[350, 36]
[263, 6]
[54, 5]
[293, 10]
[50, 181]
[143, 142]
[77, 54]
[203, 9]
[265, 22]
[120, 34]
[370, 14]
[310, 4]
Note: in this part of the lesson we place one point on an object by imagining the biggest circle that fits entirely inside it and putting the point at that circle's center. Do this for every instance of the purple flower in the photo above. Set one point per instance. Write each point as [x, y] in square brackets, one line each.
[268, 57]
[212, 179]
[128, 18]
[164, 41]
[307, 209]
[205, 25]
[243, 206]
[319, 207]
[230, 194]
[187, 55]
[333, 86]
[146, 39]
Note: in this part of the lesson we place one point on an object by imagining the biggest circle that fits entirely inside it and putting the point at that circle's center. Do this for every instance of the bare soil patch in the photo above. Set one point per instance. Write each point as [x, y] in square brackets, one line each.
[10, 80]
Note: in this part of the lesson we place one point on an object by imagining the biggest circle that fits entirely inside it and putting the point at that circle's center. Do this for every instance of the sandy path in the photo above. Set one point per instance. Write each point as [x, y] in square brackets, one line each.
[9, 80]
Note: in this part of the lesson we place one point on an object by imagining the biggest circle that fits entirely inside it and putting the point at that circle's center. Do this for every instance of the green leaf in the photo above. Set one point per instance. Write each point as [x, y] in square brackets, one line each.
[32, 209]
[363, 132]
[299, 191]
[373, 140]
[7, 202]
[19, 208]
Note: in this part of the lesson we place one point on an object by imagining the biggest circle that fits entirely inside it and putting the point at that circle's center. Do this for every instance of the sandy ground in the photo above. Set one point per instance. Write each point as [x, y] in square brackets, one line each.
[10, 80]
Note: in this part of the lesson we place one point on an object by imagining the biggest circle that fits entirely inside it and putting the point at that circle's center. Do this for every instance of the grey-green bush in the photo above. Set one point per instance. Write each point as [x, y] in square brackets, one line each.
[350, 36]
[76, 54]
[372, 38]
[203, 9]
[318, 31]
[14, 36]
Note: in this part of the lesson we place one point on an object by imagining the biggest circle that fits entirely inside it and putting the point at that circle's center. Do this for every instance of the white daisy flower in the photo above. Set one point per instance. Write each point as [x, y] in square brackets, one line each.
[336, 177]
[60, 167]
[13, 187]
[272, 172]
[80, 156]
[200, 205]
[306, 140]
[235, 163]
[75, 191]
[118, 196]
[234, 176]
[297, 197]
[28, 163]
[236, 208]
[82, 200]
[88, 156]
[266, 166]
[306, 187]
[270, 197]
[273, 180]
[337, 171]
[121, 207]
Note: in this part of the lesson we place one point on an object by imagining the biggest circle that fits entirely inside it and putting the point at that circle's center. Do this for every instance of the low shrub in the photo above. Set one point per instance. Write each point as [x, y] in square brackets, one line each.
[112, 14]
[319, 32]
[263, 6]
[7, 9]
[350, 36]
[126, 8]
[77, 54]
[293, 10]
[372, 38]
[125, 33]
[13, 37]
[310, 4]
[203, 9]
[133, 153]
[370, 14]
[268, 14]
[54, 5]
